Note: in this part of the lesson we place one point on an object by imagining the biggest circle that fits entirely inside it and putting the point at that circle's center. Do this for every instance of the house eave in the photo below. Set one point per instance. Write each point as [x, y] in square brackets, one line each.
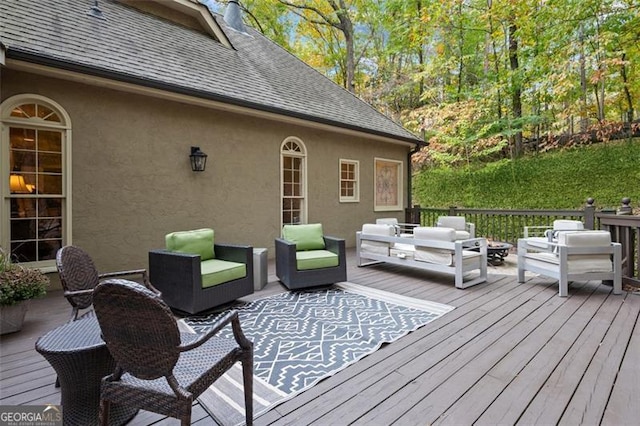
[42, 65]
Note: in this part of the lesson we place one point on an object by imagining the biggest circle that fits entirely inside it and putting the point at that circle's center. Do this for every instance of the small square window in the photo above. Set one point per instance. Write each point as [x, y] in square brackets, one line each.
[349, 181]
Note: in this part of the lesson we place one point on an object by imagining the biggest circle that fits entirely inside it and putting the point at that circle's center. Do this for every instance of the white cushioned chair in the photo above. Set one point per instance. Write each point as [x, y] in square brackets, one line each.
[576, 255]
[464, 230]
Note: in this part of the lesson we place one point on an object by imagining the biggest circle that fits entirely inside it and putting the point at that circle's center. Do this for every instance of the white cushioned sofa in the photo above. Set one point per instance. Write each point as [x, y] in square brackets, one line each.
[430, 248]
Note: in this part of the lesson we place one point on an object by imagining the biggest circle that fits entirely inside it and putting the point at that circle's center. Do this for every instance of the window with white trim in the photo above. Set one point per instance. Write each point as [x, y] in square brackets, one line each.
[349, 181]
[35, 191]
[293, 181]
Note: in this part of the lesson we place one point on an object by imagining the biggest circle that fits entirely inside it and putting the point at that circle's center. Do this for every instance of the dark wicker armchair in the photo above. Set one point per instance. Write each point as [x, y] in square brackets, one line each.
[180, 271]
[79, 277]
[298, 251]
[158, 368]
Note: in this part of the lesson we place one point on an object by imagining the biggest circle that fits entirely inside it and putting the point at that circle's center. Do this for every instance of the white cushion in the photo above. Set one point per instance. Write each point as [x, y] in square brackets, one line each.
[468, 257]
[376, 247]
[387, 221]
[403, 251]
[538, 242]
[462, 235]
[456, 222]
[577, 264]
[434, 255]
[565, 224]
[434, 233]
[585, 238]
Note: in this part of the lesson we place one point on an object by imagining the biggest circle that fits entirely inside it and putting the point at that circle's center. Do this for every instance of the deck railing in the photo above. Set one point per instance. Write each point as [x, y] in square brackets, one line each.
[508, 225]
[625, 230]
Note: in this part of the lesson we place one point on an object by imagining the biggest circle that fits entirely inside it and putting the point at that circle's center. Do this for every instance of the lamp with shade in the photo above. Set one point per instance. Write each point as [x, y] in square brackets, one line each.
[17, 185]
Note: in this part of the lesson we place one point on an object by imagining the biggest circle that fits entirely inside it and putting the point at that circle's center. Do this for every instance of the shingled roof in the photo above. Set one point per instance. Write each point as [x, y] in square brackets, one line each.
[137, 47]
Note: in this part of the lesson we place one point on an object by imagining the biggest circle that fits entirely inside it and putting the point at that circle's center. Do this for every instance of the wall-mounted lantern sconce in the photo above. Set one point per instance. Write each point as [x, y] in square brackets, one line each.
[198, 159]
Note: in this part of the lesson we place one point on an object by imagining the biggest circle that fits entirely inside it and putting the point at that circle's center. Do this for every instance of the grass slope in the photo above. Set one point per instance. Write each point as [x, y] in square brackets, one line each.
[561, 179]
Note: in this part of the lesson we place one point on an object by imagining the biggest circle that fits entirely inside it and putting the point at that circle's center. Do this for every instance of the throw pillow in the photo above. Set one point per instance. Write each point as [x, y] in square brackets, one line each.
[306, 237]
[198, 241]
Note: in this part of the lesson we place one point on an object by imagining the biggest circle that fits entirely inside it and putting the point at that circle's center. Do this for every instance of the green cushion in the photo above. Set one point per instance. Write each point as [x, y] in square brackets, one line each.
[306, 237]
[199, 241]
[215, 271]
[316, 259]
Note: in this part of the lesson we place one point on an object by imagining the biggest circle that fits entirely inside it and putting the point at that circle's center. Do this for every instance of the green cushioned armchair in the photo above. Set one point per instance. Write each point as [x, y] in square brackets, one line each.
[305, 257]
[194, 274]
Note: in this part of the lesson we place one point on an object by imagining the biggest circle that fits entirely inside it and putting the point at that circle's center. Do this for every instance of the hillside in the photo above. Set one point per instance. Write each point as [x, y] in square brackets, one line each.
[560, 179]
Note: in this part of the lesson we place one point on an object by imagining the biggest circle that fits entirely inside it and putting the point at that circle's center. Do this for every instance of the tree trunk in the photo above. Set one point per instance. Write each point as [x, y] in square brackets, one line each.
[625, 85]
[346, 26]
[461, 56]
[584, 117]
[496, 63]
[516, 94]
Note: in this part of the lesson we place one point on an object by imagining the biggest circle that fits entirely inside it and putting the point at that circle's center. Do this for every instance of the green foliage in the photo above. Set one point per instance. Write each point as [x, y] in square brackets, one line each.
[556, 180]
[18, 283]
[576, 63]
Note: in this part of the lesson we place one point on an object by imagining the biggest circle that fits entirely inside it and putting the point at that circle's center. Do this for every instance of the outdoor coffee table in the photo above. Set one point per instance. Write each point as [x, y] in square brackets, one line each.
[81, 359]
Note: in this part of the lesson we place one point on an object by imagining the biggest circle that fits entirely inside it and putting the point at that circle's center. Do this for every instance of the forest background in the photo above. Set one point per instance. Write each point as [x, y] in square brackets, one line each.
[489, 84]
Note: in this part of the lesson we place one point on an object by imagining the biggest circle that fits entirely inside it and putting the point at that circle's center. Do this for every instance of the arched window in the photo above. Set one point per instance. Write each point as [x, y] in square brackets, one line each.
[36, 135]
[293, 180]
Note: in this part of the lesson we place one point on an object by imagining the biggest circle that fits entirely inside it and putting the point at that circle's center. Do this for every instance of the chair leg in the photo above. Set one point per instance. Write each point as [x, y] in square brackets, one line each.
[247, 375]
[186, 419]
[104, 412]
[564, 286]
[521, 260]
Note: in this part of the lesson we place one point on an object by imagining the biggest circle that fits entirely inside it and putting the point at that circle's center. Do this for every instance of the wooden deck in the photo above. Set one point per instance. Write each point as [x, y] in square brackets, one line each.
[508, 354]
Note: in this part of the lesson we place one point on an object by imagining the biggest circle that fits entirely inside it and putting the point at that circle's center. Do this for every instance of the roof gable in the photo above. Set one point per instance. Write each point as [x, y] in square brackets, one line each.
[191, 14]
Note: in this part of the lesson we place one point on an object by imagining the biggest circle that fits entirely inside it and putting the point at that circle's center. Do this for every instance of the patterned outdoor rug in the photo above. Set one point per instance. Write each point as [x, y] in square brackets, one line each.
[303, 337]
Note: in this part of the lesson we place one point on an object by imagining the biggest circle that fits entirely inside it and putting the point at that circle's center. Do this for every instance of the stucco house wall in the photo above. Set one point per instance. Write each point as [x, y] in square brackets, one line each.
[132, 182]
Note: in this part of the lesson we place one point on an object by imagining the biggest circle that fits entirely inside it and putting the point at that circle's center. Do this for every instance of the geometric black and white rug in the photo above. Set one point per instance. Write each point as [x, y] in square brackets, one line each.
[303, 337]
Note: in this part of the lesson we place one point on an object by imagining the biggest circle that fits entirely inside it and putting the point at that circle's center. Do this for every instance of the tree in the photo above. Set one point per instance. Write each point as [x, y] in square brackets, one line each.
[528, 69]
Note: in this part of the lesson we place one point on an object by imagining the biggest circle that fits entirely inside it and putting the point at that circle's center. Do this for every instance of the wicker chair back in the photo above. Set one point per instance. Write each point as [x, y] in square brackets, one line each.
[77, 272]
[138, 327]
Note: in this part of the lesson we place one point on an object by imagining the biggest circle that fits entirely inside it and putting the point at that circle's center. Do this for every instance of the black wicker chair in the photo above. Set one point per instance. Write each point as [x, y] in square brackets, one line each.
[158, 368]
[294, 278]
[178, 274]
[79, 277]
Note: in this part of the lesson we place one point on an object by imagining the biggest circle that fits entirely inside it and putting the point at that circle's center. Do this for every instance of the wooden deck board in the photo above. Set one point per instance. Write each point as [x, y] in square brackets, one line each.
[593, 392]
[542, 326]
[623, 403]
[550, 393]
[509, 353]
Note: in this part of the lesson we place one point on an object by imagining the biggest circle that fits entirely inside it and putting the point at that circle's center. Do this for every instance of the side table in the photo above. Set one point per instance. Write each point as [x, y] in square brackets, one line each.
[259, 268]
[81, 359]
